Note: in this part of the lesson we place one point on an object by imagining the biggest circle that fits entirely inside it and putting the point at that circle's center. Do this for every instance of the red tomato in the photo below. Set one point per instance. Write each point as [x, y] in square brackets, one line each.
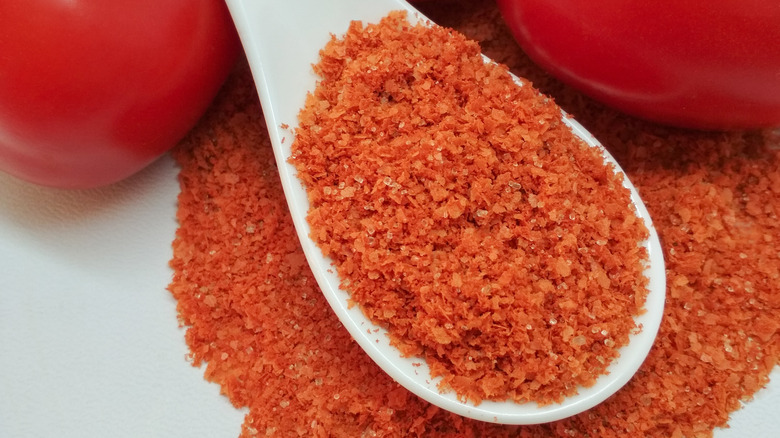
[691, 63]
[92, 91]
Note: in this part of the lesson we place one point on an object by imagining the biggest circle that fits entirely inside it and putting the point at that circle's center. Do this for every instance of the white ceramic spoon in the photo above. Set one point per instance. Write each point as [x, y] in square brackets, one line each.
[282, 40]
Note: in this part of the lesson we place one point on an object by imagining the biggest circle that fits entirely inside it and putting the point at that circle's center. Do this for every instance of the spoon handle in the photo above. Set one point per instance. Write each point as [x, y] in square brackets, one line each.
[283, 39]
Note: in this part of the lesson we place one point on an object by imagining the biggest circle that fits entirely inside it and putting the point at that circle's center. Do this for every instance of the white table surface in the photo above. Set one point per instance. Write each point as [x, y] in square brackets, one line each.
[89, 341]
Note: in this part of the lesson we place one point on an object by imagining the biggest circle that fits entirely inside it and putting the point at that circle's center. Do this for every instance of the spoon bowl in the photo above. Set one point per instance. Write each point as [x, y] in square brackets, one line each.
[281, 44]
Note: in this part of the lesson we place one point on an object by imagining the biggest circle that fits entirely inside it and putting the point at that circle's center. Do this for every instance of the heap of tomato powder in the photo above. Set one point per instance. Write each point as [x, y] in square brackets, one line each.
[464, 216]
[257, 321]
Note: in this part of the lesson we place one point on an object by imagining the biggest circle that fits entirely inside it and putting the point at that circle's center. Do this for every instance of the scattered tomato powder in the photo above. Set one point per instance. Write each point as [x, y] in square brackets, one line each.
[714, 201]
[465, 217]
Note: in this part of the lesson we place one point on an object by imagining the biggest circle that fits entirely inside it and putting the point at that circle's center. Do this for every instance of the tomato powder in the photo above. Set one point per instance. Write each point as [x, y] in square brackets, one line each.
[464, 216]
[257, 320]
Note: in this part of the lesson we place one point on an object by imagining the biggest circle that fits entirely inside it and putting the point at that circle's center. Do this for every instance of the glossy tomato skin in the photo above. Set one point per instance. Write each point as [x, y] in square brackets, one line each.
[691, 63]
[91, 91]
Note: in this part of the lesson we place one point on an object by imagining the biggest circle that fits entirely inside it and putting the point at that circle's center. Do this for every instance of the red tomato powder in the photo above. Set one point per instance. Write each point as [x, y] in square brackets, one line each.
[266, 335]
[464, 216]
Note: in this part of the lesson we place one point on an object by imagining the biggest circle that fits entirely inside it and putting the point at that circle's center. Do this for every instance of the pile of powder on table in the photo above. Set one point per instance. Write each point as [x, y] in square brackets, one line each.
[465, 216]
[270, 341]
